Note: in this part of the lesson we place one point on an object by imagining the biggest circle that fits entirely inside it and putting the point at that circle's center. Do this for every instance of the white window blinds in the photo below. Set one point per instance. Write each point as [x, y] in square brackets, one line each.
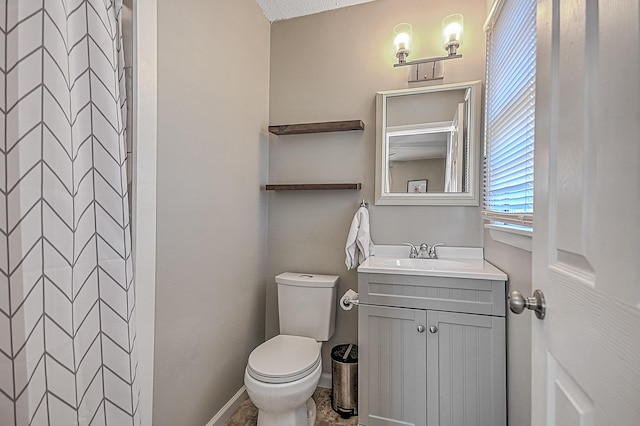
[510, 112]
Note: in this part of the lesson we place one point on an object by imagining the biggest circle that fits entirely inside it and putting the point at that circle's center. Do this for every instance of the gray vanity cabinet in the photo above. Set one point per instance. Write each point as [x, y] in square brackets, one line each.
[392, 367]
[431, 351]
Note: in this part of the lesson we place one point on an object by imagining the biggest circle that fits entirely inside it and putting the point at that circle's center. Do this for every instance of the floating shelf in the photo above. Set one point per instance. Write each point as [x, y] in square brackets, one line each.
[312, 186]
[327, 126]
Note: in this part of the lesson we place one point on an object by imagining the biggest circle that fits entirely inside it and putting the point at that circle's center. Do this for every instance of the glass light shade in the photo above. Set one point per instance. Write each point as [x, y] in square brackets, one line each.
[452, 27]
[402, 41]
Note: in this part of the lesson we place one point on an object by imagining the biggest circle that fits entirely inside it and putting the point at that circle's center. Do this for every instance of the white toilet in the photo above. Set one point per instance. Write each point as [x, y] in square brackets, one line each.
[283, 372]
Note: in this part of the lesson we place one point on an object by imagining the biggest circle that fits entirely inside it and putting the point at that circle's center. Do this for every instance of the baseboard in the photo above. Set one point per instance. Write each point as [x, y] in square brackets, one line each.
[325, 381]
[229, 408]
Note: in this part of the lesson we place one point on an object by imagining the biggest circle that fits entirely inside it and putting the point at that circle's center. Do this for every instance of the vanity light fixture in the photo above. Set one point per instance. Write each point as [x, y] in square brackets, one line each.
[428, 68]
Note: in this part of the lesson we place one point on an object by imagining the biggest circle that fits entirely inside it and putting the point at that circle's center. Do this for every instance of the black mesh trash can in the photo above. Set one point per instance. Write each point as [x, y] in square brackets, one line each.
[344, 378]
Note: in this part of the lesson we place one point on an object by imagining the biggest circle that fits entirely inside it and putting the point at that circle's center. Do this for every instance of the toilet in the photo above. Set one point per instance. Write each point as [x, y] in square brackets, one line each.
[283, 372]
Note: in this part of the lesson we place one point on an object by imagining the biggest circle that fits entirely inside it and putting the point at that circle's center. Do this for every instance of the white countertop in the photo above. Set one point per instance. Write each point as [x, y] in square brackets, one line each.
[452, 262]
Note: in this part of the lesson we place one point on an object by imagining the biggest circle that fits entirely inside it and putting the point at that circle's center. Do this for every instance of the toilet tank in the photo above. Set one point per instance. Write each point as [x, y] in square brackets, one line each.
[307, 304]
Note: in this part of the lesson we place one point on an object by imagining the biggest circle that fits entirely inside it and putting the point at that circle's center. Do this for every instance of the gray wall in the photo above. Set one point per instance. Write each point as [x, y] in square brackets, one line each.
[516, 263]
[403, 171]
[327, 67]
[211, 221]
[212, 159]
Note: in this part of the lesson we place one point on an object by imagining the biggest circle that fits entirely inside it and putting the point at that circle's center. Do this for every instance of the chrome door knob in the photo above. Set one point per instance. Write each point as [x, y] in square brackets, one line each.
[421, 329]
[518, 303]
[433, 329]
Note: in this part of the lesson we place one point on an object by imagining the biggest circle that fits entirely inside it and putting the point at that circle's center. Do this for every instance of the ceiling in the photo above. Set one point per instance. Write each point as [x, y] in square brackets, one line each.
[276, 10]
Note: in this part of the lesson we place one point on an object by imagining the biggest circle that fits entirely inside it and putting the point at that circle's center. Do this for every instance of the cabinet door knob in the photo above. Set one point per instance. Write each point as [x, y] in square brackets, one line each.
[421, 329]
[433, 329]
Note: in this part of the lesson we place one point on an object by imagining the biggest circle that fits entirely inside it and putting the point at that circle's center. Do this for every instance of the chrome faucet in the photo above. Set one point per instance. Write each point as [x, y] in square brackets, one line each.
[432, 250]
[413, 252]
[424, 251]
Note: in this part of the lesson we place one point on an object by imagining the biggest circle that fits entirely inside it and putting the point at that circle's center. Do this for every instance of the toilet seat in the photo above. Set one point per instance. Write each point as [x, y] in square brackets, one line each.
[284, 359]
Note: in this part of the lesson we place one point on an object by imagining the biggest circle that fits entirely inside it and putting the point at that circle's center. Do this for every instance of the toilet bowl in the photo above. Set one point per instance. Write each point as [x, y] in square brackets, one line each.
[283, 372]
[280, 378]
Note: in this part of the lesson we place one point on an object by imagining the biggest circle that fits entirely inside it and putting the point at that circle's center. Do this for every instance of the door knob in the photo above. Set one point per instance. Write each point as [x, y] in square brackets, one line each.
[518, 303]
[421, 329]
[433, 329]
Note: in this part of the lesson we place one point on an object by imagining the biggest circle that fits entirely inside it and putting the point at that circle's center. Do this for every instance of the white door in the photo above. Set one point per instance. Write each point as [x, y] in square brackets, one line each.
[586, 247]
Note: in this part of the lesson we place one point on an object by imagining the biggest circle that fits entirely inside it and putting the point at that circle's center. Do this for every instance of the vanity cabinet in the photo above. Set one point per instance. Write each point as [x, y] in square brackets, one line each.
[431, 351]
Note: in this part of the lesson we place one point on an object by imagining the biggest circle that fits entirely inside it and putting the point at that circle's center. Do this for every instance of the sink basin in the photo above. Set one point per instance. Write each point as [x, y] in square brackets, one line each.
[460, 262]
[429, 264]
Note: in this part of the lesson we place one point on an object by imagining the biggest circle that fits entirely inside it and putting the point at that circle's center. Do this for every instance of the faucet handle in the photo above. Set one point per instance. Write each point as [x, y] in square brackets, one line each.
[413, 252]
[432, 250]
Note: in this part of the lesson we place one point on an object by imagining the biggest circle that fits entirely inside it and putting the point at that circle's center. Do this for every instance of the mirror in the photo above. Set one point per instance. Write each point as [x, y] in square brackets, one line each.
[428, 141]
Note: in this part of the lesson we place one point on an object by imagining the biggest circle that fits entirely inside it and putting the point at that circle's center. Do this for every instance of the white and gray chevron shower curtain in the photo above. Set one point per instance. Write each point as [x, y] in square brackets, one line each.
[67, 331]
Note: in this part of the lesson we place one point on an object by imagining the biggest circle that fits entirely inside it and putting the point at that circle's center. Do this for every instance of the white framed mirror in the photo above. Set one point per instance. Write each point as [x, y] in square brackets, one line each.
[427, 145]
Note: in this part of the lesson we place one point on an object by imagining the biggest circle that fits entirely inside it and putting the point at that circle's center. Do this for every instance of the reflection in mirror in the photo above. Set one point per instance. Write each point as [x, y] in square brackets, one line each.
[427, 145]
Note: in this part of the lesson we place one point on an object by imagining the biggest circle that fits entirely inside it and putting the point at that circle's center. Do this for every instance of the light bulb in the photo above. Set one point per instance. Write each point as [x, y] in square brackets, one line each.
[402, 41]
[452, 27]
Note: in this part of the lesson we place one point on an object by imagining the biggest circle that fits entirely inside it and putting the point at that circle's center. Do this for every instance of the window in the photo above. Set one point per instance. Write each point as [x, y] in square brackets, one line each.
[510, 112]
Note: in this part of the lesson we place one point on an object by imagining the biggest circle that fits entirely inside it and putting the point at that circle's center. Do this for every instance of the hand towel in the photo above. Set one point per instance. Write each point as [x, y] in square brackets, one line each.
[359, 245]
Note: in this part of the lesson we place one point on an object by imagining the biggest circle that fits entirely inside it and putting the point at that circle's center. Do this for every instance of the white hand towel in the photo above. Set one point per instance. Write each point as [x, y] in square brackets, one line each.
[359, 245]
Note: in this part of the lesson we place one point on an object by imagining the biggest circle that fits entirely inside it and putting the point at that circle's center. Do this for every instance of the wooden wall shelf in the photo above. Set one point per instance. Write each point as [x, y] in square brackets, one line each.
[312, 186]
[327, 126]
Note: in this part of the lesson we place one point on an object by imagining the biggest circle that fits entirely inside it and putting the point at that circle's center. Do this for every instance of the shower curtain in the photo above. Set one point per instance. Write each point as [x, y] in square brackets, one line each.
[67, 331]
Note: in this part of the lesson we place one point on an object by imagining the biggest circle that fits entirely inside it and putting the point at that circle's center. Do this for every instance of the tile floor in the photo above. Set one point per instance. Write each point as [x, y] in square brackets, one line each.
[247, 413]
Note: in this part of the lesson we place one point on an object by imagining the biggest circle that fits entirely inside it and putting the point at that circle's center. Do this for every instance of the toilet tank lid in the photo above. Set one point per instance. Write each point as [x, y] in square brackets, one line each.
[307, 280]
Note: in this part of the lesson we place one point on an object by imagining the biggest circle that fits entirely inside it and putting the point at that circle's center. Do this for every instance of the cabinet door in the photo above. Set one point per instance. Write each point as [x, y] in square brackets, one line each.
[466, 370]
[392, 366]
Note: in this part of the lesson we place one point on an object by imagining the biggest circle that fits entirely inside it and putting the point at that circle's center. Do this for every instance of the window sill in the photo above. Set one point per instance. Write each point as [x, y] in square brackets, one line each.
[516, 236]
